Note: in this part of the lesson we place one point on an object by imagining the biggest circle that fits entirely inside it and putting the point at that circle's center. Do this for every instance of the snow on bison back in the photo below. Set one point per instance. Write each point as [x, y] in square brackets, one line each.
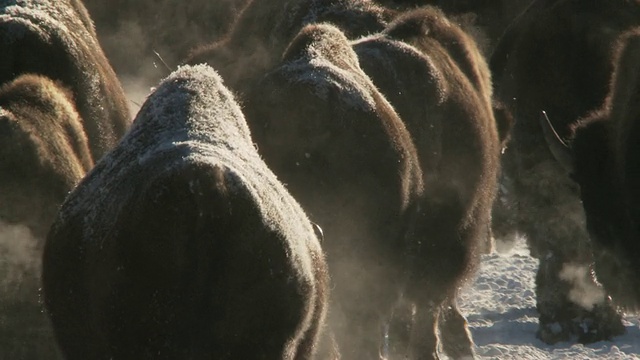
[182, 244]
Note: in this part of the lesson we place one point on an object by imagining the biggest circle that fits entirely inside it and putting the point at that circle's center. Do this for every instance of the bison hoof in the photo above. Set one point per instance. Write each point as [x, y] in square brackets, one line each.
[606, 324]
[600, 324]
[552, 333]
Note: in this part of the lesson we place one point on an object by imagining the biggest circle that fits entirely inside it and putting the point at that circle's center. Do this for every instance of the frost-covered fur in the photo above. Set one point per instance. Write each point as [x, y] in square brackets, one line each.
[263, 30]
[43, 155]
[344, 153]
[55, 38]
[181, 243]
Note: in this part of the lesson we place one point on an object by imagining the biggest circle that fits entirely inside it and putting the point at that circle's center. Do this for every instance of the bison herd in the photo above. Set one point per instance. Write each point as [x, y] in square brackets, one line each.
[315, 176]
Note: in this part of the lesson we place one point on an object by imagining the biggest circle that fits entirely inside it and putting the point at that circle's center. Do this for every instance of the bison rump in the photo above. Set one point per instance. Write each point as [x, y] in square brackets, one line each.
[182, 244]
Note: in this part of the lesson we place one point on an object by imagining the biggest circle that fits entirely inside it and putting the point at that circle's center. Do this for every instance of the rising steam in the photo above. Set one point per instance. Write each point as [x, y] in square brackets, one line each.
[584, 291]
[20, 261]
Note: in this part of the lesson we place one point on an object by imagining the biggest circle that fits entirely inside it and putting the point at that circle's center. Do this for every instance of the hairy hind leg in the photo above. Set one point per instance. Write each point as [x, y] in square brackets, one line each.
[398, 334]
[424, 337]
[447, 253]
[359, 336]
[455, 338]
[452, 333]
[363, 294]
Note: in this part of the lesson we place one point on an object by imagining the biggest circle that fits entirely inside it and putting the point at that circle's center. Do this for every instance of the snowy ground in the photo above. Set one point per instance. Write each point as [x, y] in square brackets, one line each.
[501, 309]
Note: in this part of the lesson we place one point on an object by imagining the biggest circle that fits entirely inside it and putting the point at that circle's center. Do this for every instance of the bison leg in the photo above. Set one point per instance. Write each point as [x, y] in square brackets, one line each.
[328, 348]
[424, 338]
[440, 328]
[571, 304]
[454, 343]
[365, 291]
[449, 254]
[398, 333]
[427, 301]
[359, 336]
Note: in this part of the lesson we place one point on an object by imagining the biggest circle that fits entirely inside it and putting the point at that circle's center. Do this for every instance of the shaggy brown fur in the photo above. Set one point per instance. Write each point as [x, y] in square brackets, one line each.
[62, 107]
[55, 39]
[44, 151]
[437, 80]
[489, 17]
[607, 168]
[43, 154]
[556, 58]
[344, 153]
[264, 29]
[182, 244]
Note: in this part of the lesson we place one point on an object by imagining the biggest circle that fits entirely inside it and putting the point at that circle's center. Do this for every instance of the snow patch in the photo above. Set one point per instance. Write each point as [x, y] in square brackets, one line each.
[500, 306]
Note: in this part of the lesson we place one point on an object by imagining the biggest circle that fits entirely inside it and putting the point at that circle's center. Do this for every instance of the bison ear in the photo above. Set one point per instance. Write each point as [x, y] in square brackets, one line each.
[504, 121]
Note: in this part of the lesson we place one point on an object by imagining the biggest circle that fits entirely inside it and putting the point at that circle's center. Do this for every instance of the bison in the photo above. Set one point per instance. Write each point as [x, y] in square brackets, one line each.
[603, 160]
[434, 75]
[333, 138]
[43, 154]
[61, 107]
[44, 150]
[556, 57]
[263, 30]
[403, 226]
[56, 39]
[181, 243]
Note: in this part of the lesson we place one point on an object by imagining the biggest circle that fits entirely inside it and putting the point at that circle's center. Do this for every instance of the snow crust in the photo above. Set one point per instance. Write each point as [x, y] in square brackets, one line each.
[500, 306]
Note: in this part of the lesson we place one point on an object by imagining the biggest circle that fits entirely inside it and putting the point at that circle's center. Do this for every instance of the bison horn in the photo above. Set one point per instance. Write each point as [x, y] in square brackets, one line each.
[318, 230]
[162, 61]
[560, 150]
